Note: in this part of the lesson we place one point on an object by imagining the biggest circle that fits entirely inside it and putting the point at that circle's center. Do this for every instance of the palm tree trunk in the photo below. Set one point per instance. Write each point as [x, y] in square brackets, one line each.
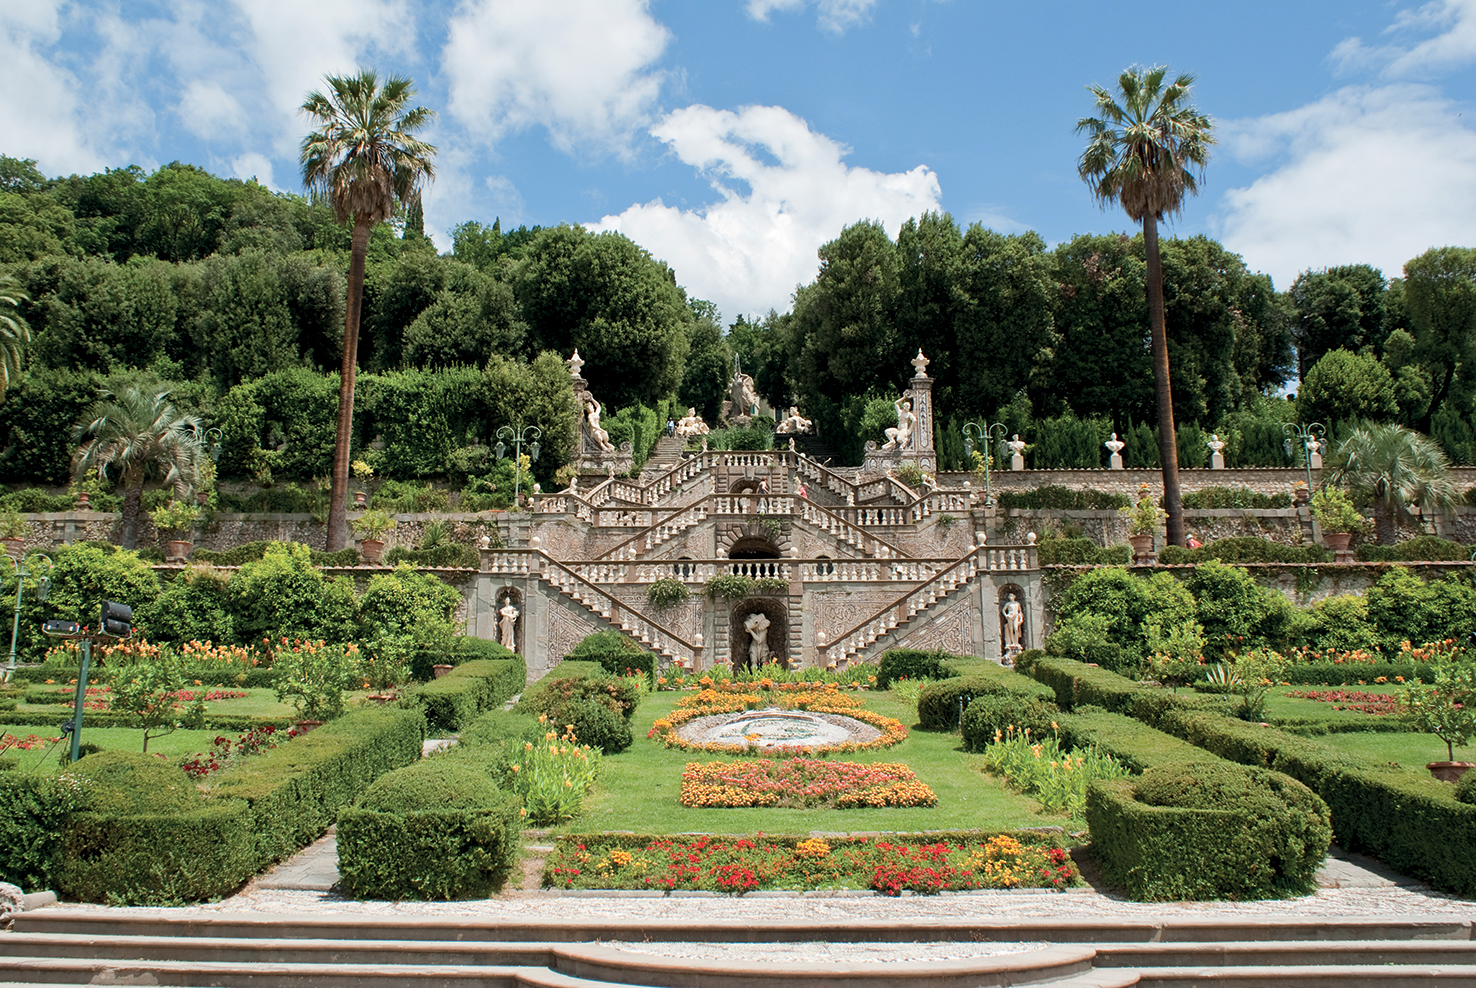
[338, 496]
[133, 488]
[1168, 448]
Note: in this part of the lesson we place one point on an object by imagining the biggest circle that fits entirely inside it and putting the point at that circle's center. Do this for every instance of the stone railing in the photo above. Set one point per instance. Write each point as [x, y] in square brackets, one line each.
[620, 615]
[855, 640]
[526, 562]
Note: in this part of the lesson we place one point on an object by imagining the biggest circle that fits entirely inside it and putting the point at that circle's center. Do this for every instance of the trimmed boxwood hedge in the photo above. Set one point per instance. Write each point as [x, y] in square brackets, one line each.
[912, 663]
[464, 693]
[939, 705]
[464, 649]
[439, 829]
[1245, 549]
[997, 713]
[1421, 549]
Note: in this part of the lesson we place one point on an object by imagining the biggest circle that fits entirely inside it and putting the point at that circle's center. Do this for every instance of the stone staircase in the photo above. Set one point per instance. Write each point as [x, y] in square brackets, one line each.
[58, 946]
[882, 628]
[666, 454]
[589, 600]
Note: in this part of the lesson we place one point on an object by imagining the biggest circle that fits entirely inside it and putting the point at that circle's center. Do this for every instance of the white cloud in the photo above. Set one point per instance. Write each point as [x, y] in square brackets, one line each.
[581, 68]
[833, 15]
[1454, 44]
[252, 165]
[749, 251]
[1374, 175]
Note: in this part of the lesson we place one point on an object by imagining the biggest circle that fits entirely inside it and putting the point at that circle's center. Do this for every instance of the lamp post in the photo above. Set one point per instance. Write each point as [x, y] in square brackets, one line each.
[43, 588]
[529, 434]
[1308, 437]
[973, 433]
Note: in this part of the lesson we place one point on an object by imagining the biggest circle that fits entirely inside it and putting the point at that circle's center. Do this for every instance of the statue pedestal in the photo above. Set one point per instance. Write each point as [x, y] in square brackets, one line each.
[1217, 461]
[1017, 462]
[1011, 653]
[1115, 463]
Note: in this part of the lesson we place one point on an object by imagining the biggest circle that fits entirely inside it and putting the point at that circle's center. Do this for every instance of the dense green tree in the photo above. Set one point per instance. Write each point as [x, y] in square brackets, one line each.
[466, 325]
[21, 175]
[1339, 308]
[929, 299]
[364, 158]
[33, 226]
[1440, 295]
[15, 332]
[1004, 325]
[607, 297]
[540, 393]
[1394, 468]
[1344, 386]
[1143, 154]
[762, 349]
[245, 328]
[709, 364]
[137, 434]
[101, 315]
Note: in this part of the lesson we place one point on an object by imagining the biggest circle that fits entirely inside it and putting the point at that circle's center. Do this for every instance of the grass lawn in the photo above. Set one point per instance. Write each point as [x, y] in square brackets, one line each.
[256, 703]
[46, 759]
[1411, 751]
[638, 789]
[1279, 705]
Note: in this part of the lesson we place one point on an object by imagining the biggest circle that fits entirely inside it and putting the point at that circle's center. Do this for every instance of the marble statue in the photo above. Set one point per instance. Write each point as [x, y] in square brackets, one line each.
[899, 437]
[757, 626]
[1017, 452]
[1217, 458]
[1013, 624]
[507, 624]
[691, 425]
[745, 397]
[592, 431]
[795, 423]
[1115, 445]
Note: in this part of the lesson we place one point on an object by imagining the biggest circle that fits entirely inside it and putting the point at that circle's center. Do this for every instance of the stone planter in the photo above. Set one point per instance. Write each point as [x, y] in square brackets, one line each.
[372, 550]
[1338, 542]
[441, 670]
[84, 501]
[179, 550]
[360, 499]
[1142, 548]
[1449, 771]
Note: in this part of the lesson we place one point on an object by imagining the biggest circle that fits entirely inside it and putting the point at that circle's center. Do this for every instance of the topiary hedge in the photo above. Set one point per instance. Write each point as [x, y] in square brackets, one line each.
[911, 663]
[1082, 552]
[1055, 496]
[994, 714]
[1245, 549]
[449, 555]
[439, 829]
[34, 810]
[464, 649]
[250, 552]
[571, 700]
[1423, 549]
[467, 691]
[1234, 497]
[939, 705]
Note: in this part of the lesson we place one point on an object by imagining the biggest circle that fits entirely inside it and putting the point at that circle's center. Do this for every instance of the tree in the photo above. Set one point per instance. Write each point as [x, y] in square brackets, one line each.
[1440, 295]
[1344, 386]
[364, 159]
[1143, 154]
[138, 433]
[15, 332]
[1341, 307]
[1394, 468]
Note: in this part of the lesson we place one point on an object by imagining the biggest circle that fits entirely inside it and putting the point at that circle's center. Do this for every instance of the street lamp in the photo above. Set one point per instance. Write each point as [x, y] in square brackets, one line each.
[43, 588]
[524, 434]
[975, 433]
[1306, 436]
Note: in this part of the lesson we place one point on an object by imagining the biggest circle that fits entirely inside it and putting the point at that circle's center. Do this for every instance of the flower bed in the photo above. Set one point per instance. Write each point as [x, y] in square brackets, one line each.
[1378, 704]
[727, 698]
[803, 782]
[99, 697]
[769, 677]
[955, 863]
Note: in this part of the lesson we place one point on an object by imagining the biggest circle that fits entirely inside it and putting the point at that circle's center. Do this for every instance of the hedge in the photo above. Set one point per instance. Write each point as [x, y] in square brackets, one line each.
[939, 705]
[250, 552]
[1234, 497]
[296, 790]
[1245, 549]
[1082, 552]
[465, 649]
[33, 812]
[911, 663]
[468, 690]
[1136, 745]
[1076, 683]
[988, 716]
[1355, 674]
[1161, 837]
[1054, 496]
[1421, 549]
[448, 555]
[98, 675]
[439, 829]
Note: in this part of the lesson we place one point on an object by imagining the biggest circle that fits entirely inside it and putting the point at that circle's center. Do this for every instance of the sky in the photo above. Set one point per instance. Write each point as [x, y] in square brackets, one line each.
[732, 138]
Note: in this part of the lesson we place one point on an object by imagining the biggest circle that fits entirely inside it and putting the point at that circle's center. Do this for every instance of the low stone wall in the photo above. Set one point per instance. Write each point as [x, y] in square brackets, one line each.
[1262, 480]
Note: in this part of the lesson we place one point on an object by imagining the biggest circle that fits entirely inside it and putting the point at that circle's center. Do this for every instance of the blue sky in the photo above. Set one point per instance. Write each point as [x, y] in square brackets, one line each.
[733, 137]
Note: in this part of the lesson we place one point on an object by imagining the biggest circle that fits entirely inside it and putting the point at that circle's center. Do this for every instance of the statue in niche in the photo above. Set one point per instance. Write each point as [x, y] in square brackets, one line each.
[899, 437]
[795, 423]
[507, 624]
[1012, 623]
[691, 425]
[592, 431]
[757, 626]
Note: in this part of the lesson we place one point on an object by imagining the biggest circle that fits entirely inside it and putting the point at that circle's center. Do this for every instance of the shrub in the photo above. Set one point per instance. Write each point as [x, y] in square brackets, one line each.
[284, 595]
[464, 648]
[1235, 610]
[997, 714]
[940, 705]
[1167, 837]
[597, 725]
[564, 701]
[1082, 552]
[1465, 789]
[1130, 603]
[1422, 548]
[448, 555]
[438, 829]
[249, 552]
[909, 663]
[314, 676]
[1088, 638]
[467, 691]
[1402, 607]
[1234, 497]
[1054, 496]
[193, 607]
[1245, 549]
[1340, 623]
[34, 810]
[617, 653]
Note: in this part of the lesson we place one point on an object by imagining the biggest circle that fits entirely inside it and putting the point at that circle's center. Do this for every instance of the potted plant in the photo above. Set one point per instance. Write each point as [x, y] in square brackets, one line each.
[362, 473]
[1340, 521]
[1143, 518]
[369, 527]
[174, 522]
[13, 532]
[1446, 709]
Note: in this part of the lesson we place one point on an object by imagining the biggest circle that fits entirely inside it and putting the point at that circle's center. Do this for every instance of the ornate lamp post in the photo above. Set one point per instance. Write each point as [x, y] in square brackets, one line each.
[43, 588]
[975, 433]
[1308, 437]
[529, 434]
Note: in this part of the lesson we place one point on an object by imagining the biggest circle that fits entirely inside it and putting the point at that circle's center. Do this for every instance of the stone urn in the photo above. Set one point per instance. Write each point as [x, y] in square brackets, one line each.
[361, 498]
[372, 550]
[179, 550]
[202, 498]
[84, 501]
[1142, 547]
[1449, 771]
[441, 670]
[1338, 542]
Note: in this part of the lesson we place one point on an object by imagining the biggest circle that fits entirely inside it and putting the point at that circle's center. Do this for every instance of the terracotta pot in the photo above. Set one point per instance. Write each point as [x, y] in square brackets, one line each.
[441, 670]
[1338, 543]
[372, 550]
[1142, 547]
[14, 547]
[1301, 496]
[303, 726]
[360, 499]
[1449, 771]
[202, 498]
[179, 550]
[84, 501]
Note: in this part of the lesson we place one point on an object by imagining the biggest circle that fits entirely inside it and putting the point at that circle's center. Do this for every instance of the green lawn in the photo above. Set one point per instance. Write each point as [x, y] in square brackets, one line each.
[175, 745]
[1411, 751]
[638, 789]
[1279, 705]
[261, 703]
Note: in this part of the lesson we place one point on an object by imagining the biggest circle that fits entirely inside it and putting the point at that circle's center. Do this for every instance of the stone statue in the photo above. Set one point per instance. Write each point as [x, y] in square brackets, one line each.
[592, 431]
[744, 395]
[1017, 452]
[1013, 623]
[1115, 445]
[757, 626]
[1217, 458]
[899, 437]
[795, 423]
[507, 624]
[691, 425]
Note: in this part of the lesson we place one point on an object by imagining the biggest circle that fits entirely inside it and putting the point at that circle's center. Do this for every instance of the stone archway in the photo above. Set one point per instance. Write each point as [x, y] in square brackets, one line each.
[777, 636]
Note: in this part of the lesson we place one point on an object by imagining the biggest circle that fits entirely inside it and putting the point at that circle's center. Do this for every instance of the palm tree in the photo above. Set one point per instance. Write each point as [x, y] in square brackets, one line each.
[1143, 154]
[14, 331]
[139, 433]
[364, 159]
[1394, 467]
